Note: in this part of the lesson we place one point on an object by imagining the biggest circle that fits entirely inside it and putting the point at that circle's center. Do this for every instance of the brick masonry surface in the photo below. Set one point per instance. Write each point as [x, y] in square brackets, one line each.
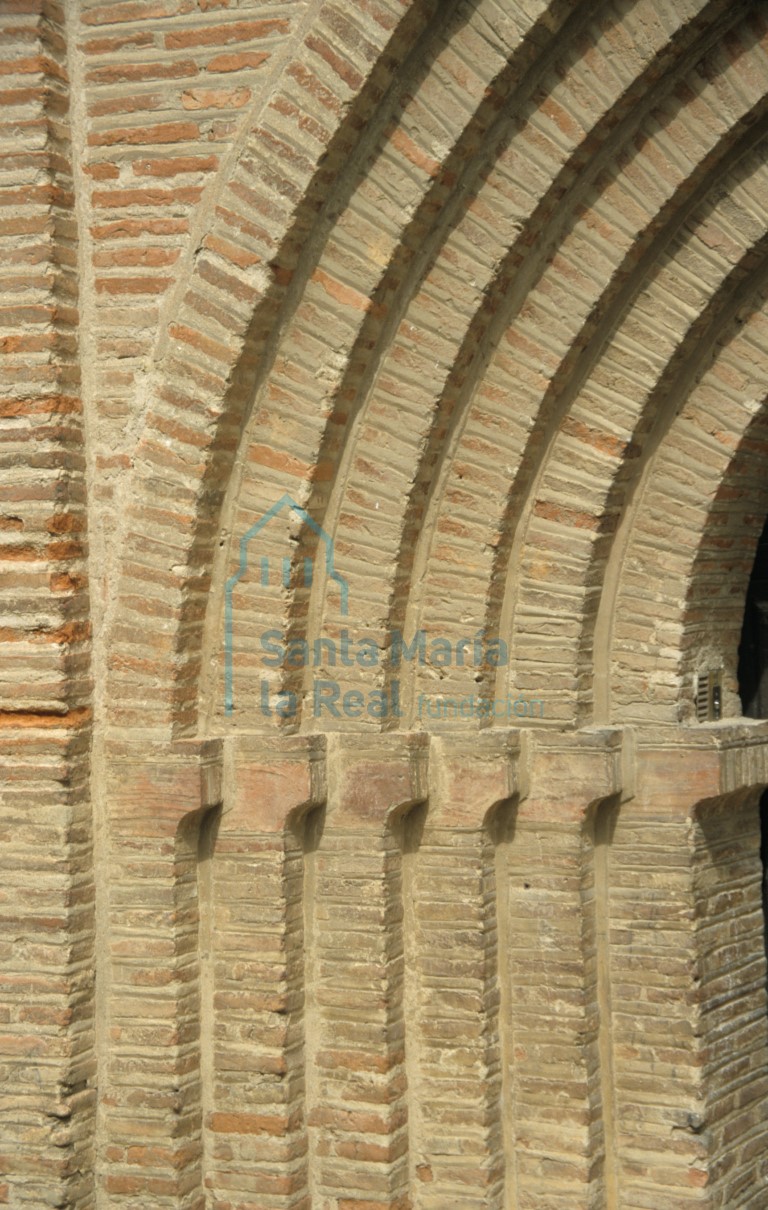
[384, 441]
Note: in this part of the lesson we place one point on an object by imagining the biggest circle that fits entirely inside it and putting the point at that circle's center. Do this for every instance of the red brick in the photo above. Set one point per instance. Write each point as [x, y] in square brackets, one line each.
[133, 73]
[237, 61]
[222, 33]
[215, 98]
[161, 132]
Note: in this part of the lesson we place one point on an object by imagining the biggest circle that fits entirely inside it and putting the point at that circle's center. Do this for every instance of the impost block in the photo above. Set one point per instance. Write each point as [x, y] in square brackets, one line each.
[472, 774]
[270, 780]
[372, 780]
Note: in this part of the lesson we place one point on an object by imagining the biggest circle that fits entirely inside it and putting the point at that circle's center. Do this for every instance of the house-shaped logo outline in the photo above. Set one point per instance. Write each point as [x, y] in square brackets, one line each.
[256, 528]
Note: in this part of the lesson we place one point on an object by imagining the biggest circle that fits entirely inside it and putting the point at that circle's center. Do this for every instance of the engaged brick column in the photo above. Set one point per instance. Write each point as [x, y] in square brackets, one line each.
[556, 1100]
[728, 876]
[687, 983]
[47, 1077]
[455, 1036]
[151, 1104]
[357, 1095]
[254, 977]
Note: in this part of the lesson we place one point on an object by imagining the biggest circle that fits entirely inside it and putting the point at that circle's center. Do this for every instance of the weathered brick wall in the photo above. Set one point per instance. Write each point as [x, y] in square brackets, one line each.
[481, 285]
[167, 91]
[47, 1087]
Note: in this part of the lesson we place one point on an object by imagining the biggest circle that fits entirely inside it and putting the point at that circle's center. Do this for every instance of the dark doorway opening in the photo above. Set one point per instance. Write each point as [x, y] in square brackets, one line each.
[753, 649]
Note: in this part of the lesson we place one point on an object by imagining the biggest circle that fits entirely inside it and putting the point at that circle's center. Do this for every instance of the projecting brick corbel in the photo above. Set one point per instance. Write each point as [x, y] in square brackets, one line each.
[372, 782]
[571, 772]
[470, 776]
[272, 781]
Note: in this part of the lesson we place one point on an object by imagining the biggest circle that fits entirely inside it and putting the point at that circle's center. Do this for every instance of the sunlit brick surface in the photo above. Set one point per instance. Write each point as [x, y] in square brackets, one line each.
[458, 309]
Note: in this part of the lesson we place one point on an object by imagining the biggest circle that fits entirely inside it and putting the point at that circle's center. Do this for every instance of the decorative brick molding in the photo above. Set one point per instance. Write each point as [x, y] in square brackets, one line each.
[478, 289]
[410, 970]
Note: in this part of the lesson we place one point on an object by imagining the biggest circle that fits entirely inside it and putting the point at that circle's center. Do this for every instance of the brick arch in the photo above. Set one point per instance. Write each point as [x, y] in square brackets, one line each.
[714, 609]
[353, 290]
[548, 370]
[567, 550]
[346, 509]
[708, 477]
[239, 276]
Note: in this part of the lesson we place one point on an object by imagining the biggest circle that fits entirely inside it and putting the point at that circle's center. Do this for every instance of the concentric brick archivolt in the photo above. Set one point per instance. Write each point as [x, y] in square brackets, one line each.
[388, 454]
[228, 307]
[483, 286]
[587, 481]
[460, 299]
[404, 177]
[706, 491]
[446, 337]
[545, 356]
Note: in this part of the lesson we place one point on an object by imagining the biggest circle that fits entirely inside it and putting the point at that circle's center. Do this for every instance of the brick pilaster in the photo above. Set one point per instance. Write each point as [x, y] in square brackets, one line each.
[689, 1026]
[456, 1034]
[254, 977]
[47, 1068]
[730, 936]
[151, 1105]
[557, 1100]
[358, 1094]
